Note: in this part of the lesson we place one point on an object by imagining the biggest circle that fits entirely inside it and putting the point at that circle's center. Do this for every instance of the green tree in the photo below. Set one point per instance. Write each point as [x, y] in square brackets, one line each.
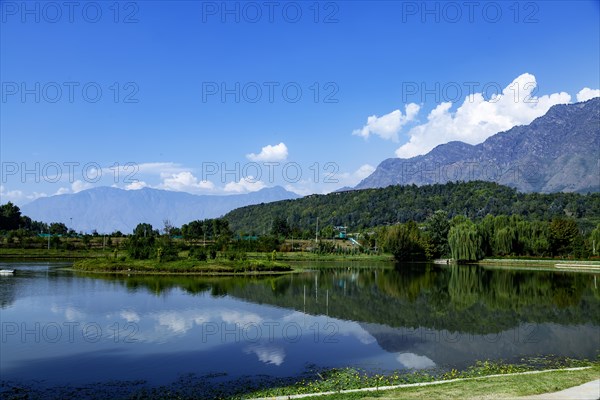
[193, 230]
[58, 228]
[437, 227]
[465, 242]
[280, 227]
[595, 241]
[10, 217]
[564, 236]
[405, 243]
[140, 247]
[143, 230]
[328, 232]
[504, 241]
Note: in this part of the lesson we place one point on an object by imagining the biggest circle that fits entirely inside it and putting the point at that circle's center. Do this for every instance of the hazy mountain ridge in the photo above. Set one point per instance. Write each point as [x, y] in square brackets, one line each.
[109, 209]
[559, 151]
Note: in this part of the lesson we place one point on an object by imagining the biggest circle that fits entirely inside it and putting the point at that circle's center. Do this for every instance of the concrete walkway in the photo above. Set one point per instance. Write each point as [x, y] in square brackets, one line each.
[587, 391]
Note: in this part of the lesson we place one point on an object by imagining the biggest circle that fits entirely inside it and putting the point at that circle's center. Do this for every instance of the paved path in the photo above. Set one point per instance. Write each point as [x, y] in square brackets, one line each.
[587, 391]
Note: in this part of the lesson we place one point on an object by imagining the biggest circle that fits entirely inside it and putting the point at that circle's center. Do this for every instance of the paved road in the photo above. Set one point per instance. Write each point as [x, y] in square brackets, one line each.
[587, 391]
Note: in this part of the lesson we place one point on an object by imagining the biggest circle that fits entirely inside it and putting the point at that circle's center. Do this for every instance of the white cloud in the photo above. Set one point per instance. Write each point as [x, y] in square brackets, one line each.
[79, 185]
[267, 354]
[136, 185]
[72, 314]
[152, 168]
[353, 178]
[174, 322]
[414, 361]
[278, 152]
[185, 182]
[477, 119]
[587, 94]
[36, 195]
[62, 190]
[244, 185]
[130, 316]
[364, 171]
[330, 182]
[10, 195]
[240, 319]
[388, 126]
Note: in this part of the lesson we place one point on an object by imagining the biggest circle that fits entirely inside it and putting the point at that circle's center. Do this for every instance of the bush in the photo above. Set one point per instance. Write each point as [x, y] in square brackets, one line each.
[198, 253]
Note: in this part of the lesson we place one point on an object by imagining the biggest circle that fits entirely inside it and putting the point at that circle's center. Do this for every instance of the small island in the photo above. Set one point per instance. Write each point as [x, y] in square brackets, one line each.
[188, 267]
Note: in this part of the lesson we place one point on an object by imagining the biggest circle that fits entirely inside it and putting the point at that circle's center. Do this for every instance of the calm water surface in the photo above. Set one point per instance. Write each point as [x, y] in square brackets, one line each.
[66, 329]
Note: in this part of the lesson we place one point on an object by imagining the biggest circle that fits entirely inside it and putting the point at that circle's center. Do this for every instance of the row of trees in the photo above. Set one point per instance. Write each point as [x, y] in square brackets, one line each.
[465, 240]
[147, 242]
[11, 219]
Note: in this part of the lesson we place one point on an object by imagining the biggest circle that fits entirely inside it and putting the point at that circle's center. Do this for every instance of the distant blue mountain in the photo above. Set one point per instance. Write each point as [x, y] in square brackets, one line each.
[108, 209]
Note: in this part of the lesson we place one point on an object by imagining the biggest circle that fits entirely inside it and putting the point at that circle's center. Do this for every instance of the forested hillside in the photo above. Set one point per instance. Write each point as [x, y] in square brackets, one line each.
[358, 209]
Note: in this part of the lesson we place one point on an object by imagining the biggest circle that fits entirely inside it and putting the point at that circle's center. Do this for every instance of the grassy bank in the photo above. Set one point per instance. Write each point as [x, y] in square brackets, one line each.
[494, 387]
[337, 380]
[210, 267]
[550, 261]
[541, 264]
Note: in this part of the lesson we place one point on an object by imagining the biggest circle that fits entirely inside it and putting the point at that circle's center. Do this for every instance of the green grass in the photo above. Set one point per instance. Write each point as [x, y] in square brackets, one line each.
[534, 260]
[210, 267]
[336, 380]
[499, 387]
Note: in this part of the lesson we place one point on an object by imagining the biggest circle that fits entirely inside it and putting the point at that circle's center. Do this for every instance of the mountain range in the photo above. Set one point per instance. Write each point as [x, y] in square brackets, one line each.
[108, 209]
[557, 152]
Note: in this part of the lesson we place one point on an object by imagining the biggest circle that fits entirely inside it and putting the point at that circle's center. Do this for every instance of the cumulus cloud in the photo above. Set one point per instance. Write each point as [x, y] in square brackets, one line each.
[278, 152]
[79, 185]
[174, 321]
[414, 361]
[330, 181]
[240, 319]
[353, 178]
[587, 94]
[364, 171]
[184, 181]
[10, 195]
[244, 185]
[70, 313]
[130, 316]
[389, 125]
[477, 119]
[267, 354]
[18, 197]
[62, 190]
[136, 185]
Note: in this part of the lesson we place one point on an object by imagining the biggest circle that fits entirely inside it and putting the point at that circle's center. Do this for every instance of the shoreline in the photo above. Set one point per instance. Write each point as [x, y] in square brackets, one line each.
[182, 267]
[195, 273]
[543, 265]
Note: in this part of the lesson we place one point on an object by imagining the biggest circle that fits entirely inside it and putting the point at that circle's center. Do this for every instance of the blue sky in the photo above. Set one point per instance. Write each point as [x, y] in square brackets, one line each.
[204, 96]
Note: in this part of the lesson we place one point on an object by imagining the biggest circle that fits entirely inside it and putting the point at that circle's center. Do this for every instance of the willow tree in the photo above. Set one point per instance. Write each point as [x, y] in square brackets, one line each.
[465, 242]
[504, 241]
[595, 240]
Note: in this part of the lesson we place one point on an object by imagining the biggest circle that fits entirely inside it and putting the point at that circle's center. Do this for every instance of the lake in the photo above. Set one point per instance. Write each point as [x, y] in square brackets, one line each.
[62, 330]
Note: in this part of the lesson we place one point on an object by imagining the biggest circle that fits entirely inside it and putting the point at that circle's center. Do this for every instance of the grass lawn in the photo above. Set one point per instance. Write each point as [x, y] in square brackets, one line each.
[210, 267]
[499, 387]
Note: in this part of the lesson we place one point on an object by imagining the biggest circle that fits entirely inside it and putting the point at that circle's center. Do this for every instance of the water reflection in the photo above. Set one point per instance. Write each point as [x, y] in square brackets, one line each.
[77, 328]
